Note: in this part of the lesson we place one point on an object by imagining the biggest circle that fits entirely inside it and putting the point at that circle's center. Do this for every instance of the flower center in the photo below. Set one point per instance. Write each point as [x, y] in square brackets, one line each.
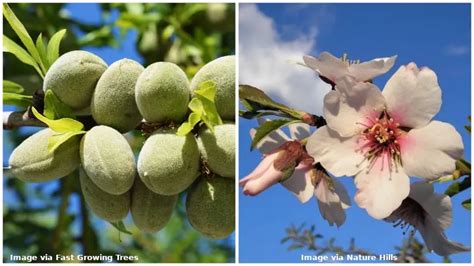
[380, 140]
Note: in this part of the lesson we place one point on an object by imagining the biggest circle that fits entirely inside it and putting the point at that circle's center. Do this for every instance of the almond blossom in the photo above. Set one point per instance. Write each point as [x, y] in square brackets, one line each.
[304, 182]
[382, 138]
[429, 213]
[333, 68]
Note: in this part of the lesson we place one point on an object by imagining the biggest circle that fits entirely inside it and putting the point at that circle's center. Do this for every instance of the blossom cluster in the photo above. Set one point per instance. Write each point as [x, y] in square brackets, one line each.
[383, 139]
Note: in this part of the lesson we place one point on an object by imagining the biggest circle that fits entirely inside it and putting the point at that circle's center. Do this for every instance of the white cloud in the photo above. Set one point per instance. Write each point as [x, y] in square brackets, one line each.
[267, 62]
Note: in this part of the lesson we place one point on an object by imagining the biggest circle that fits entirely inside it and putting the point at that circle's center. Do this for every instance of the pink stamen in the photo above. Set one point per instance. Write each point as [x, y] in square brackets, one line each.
[381, 142]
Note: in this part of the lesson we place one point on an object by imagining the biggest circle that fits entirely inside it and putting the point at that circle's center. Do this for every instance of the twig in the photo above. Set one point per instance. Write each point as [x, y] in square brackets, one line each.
[16, 119]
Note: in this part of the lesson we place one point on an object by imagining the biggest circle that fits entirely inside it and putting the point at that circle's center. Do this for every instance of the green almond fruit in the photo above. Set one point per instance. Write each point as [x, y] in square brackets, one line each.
[218, 149]
[222, 72]
[162, 93]
[210, 206]
[113, 103]
[168, 163]
[32, 162]
[108, 160]
[150, 211]
[112, 208]
[73, 77]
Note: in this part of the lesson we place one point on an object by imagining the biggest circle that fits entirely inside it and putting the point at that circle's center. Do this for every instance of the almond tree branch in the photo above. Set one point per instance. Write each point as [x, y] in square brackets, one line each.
[16, 119]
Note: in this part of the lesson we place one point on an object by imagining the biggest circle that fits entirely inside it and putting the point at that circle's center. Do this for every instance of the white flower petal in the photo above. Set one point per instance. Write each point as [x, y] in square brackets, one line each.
[381, 190]
[341, 191]
[255, 186]
[260, 169]
[327, 65]
[300, 183]
[352, 105]
[337, 154]
[413, 96]
[430, 214]
[330, 204]
[299, 131]
[270, 142]
[368, 70]
[436, 240]
[438, 206]
[431, 151]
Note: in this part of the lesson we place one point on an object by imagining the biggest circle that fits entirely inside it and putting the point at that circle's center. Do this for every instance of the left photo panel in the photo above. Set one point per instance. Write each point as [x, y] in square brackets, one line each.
[119, 132]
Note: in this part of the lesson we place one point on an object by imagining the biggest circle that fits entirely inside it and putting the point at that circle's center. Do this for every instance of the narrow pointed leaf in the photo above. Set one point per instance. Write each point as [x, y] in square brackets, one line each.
[121, 227]
[467, 204]
[17, 99]
[53, 46]
[57, 139]
[41, 47]
[22, 33]
[12, 87]
[62, 125]
[10, 46]
[458, 187]
[252, 94]
[266, 128]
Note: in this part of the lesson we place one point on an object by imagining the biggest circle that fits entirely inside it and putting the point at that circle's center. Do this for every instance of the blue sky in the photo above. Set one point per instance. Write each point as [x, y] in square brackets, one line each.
[433, 35]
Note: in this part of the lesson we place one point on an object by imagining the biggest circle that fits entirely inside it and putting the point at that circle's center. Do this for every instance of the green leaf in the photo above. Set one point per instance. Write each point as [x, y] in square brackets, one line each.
[10, 46]
[22, 33]
[266, 128]
[12, 87]
[57, 139]
[463, 166]
[120, 226]
[467, 204]
[207, 89]
[206, 94]
[247, 105]
[41, 47]
[54, 108]
[252, 115]
[195, 105]
[62, 125]
[458, 187]
[252, 94]
[167, 32]
[186, 127]
[16, 99]
[53, 46]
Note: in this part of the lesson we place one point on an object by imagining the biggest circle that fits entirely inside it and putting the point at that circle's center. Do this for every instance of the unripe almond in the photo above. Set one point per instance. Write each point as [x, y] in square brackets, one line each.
[218, 149]
[112, 208]
[73, 77]
[150, 211]
[168, 163]
[210, 206]
[113, 103]
[31, 161]
[108, 159]
[162, 93]
[222, 72]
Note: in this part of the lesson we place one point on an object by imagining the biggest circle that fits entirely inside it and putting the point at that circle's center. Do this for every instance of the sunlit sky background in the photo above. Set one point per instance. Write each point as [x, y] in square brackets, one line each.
[272, 36]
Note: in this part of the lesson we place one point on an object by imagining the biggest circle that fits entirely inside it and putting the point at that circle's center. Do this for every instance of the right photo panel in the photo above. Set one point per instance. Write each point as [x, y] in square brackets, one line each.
[354, 133]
